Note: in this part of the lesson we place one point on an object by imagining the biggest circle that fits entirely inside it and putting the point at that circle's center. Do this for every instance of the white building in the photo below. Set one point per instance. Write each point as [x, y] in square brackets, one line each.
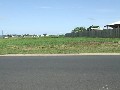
[115, 25]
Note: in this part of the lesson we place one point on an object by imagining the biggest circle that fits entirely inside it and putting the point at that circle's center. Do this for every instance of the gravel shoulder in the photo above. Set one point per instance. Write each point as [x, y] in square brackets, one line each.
[61, 54]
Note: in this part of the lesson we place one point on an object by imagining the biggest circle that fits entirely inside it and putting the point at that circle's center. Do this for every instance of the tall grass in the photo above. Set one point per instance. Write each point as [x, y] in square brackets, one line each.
[58, 45]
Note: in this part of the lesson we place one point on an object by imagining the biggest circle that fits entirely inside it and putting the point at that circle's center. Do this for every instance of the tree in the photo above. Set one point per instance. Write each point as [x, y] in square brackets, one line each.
[45, 34]
[78, 29]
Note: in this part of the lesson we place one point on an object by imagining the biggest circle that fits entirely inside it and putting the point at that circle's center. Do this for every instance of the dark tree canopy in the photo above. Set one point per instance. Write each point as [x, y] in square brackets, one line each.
[78, 29]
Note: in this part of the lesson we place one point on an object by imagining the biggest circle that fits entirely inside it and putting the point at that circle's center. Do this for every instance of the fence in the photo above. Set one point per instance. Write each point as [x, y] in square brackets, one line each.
[109, 33]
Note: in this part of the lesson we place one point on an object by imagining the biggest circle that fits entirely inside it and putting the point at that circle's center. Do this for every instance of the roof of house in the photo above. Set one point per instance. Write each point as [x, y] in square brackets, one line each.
[115, 23]
[94, 26]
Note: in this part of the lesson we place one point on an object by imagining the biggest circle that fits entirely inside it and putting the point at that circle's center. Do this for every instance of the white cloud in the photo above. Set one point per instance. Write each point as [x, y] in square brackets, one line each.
[91, 19]
[106, 10]
[69, 8]
[45, 7]
[2, 18]
[48, 7]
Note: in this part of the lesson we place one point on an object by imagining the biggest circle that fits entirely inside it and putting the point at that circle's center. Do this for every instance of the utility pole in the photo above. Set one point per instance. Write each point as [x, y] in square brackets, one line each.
[2, 34]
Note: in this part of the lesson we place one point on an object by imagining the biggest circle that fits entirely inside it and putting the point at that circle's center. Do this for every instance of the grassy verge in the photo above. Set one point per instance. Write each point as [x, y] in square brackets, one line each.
[59, 45]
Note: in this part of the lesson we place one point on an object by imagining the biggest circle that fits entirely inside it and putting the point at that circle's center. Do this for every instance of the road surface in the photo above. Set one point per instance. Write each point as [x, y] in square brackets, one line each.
[60, 73]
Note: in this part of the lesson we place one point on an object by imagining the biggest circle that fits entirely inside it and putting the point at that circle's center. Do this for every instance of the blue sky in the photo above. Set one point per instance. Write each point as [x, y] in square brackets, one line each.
[55, 16]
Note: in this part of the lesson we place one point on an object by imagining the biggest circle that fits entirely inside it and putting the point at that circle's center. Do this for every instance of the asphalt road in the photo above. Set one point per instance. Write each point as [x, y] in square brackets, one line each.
[60, 73]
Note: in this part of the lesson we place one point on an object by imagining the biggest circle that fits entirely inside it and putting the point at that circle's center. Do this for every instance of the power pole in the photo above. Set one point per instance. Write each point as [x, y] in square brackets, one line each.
[2, 34]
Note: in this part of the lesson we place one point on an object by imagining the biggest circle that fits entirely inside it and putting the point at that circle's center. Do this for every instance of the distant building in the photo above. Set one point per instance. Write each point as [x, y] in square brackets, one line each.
[93, 28]
[115, 25]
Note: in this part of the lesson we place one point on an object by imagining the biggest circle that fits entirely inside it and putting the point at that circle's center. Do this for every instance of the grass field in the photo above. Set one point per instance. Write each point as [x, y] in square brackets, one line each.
[49, 45]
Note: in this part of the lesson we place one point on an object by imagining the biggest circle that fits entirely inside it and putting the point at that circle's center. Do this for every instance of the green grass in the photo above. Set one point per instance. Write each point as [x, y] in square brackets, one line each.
[59, 45]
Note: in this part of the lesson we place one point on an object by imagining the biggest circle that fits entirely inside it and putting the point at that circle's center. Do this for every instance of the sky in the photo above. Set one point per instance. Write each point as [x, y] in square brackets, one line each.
[55, 16]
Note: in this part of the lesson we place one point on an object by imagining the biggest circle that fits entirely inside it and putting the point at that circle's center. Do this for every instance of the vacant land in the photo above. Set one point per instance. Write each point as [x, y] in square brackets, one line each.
[47, 45]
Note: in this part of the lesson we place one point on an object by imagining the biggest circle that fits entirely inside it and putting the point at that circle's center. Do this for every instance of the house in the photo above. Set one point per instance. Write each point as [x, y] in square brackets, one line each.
[94, 28]
[115, 25]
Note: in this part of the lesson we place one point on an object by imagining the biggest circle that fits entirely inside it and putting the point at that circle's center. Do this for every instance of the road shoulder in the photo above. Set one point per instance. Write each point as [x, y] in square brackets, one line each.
[81, 54]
